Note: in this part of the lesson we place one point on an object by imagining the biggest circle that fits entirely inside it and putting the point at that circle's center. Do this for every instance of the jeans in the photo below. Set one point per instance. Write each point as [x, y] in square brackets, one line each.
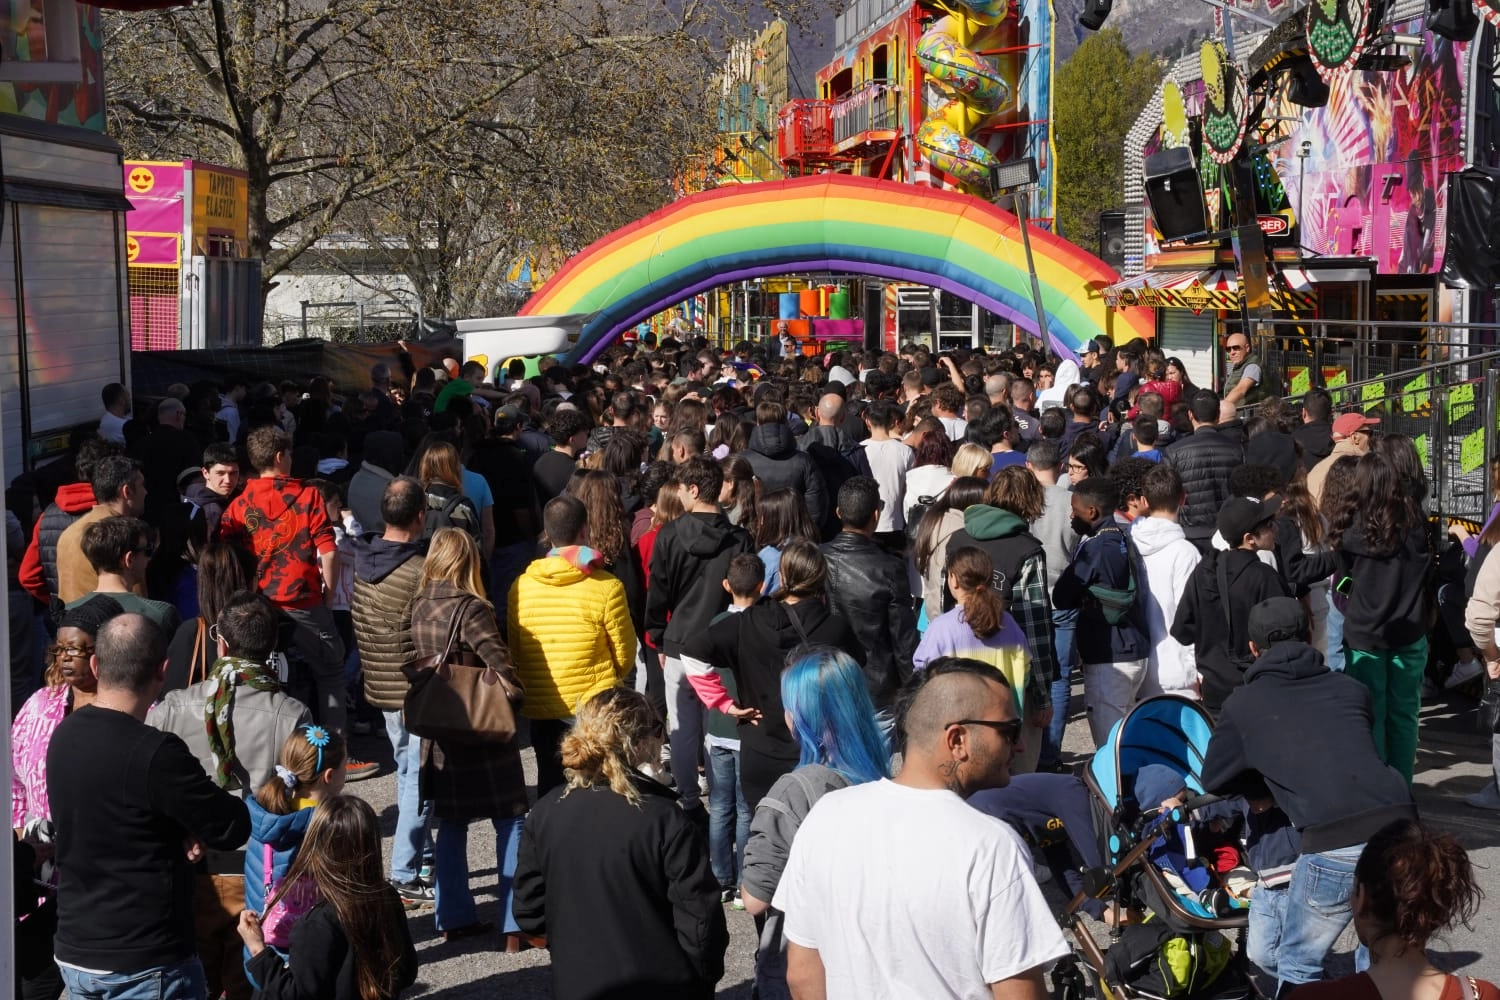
[1109, 691]
[413, 816]
[1063, 624]
[728, 815]
[685, 718]
[1317, 911]
[316, 639]
[1263, 936]
[1333, 630]
[182, 981]
[1394, 677]
[452, 897]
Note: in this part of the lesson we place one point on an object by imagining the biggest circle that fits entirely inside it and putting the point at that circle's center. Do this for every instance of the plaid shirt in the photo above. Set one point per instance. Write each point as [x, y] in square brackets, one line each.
[1031, 607]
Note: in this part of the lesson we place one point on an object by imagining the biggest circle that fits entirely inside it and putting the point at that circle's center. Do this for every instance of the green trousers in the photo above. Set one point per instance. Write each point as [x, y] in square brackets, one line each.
[1394, 677]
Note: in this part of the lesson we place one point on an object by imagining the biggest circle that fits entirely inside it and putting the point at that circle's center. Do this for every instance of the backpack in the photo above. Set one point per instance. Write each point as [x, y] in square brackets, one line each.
[302, 895]
[1157, 961]
[448, 508]
[1116, 605]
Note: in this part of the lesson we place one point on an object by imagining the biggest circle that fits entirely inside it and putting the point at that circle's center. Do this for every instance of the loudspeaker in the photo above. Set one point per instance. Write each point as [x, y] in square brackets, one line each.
[1175, 194]
[1094, 13]
[1305, 86]
[1454, 19]
[1472, 259]
[1112, 239]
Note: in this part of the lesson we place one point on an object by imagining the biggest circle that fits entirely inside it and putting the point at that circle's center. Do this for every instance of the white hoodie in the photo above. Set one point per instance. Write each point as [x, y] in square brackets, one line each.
[1166, 565]
[1068, 376]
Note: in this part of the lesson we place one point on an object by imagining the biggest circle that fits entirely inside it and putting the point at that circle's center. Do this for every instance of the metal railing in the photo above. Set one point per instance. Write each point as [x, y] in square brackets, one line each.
[1437, 383]
[872, 107]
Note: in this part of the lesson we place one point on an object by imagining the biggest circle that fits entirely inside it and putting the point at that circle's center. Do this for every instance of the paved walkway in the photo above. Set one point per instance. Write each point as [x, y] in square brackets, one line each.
[1454, 762]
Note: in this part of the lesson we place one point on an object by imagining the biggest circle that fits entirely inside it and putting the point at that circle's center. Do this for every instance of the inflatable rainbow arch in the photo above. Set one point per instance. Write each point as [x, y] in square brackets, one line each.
[834, 222]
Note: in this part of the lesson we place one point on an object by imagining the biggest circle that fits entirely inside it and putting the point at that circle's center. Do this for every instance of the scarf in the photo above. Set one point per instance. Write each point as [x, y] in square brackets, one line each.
[580, 557]
[228, 673]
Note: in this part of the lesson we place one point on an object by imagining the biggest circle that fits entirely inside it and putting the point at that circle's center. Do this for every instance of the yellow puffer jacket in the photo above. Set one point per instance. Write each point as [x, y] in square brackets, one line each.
[570, 635]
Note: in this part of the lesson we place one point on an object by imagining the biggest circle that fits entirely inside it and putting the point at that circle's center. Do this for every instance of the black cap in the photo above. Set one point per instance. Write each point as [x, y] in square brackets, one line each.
[1240, 516]
[1279, 619]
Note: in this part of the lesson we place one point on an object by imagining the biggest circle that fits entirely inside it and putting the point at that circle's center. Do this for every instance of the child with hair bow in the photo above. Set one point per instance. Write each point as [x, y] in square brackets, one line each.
[309, 769]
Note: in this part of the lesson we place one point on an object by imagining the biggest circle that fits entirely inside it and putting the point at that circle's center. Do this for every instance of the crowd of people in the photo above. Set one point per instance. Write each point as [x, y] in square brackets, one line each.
[767, 622]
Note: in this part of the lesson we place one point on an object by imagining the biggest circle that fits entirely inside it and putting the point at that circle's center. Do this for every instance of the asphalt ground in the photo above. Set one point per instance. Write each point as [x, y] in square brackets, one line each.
[1454, 761]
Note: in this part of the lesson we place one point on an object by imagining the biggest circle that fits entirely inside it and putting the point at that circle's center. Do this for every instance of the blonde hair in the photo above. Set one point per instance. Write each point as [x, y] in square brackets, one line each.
[453, 557]
[668, 506]
[601, 746]
[301, 755]
[973, 460]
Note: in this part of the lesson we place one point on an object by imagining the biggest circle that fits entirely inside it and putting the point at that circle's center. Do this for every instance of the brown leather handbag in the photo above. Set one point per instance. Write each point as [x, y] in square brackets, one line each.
[457, 698]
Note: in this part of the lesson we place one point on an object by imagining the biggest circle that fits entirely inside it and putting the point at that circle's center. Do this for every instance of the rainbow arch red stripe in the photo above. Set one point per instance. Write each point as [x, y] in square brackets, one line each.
[835, 222]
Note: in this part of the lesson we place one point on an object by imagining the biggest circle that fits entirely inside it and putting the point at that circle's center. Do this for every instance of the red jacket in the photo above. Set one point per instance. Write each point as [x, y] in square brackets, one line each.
[73, 500]
[284, 524]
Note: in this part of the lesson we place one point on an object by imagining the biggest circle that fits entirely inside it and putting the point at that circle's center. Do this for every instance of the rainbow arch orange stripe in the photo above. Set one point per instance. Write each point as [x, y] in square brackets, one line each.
[835, 222]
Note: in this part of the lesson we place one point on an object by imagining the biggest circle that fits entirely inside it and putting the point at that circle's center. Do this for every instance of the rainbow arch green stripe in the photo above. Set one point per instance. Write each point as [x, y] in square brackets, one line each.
[835, 222]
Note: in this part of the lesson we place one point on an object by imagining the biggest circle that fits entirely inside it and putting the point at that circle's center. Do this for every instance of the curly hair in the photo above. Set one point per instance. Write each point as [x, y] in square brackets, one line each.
[600, 494]
[603, 745]
[1417, 883]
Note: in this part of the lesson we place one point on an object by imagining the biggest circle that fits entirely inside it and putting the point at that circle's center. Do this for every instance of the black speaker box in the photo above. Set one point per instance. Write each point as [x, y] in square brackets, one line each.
[1112, 239]
[1454, 19]
[1175, 195]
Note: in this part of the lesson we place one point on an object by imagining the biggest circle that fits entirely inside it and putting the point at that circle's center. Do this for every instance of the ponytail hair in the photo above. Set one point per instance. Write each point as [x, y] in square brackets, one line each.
[1417, 883]
[307, 752]
[983, 608]
[602, 745]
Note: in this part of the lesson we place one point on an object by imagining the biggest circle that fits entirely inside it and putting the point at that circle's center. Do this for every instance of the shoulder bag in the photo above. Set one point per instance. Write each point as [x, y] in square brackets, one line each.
[457, 698]
[198, 668]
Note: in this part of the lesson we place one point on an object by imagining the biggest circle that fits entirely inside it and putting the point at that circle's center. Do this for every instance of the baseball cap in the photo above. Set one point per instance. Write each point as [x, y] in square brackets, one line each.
[1240, 516]
[1096, 344]
[1348, 424]
[506, 418]
[1277, 619]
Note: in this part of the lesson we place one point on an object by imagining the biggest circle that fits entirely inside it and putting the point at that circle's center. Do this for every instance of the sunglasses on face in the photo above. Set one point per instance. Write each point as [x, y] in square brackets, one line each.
[1011, 730]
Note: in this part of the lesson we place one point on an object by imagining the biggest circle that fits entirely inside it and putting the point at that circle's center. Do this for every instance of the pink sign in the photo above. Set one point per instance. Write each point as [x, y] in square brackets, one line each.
[147, 250]
[155, 192]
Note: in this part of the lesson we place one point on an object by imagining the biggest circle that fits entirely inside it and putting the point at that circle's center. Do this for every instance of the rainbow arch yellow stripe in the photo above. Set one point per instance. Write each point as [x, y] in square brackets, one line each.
[858, 225]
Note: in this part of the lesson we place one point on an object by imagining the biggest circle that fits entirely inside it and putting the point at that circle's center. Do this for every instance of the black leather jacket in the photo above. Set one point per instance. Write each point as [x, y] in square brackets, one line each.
[868, 587]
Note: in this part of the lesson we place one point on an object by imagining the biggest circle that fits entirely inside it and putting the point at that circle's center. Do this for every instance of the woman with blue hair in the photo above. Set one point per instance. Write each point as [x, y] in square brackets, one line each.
[842, 743]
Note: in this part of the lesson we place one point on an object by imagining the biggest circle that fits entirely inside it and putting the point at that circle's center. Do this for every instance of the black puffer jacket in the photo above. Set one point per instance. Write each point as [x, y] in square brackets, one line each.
[868, 587]
[778, 464]
[1204, 459]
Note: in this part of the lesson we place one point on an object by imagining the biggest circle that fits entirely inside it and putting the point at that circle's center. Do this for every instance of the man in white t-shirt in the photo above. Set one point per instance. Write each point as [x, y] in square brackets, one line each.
[117, 407]
[889, 460]
[898, 888]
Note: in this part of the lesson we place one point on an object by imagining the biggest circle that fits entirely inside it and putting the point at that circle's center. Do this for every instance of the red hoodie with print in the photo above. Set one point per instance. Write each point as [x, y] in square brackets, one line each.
[284, 524]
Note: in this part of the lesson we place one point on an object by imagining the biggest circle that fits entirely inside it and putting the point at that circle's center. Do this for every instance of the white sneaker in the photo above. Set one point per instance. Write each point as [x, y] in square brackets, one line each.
[1463, 672]
[1487, 798]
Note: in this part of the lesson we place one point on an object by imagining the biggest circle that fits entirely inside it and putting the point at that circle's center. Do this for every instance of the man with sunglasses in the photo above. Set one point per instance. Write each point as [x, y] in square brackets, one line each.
[119, 549]
[1243, 379]
[897, 888]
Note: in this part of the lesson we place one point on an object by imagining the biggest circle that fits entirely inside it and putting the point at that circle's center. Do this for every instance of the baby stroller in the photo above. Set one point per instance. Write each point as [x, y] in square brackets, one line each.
[1181, 950]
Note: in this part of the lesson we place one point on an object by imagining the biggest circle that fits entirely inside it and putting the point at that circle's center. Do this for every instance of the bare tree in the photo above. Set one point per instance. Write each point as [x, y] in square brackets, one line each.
[469, 130]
